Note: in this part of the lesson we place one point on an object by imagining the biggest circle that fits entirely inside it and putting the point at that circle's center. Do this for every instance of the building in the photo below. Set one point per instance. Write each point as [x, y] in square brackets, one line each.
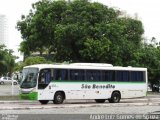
[3, 30]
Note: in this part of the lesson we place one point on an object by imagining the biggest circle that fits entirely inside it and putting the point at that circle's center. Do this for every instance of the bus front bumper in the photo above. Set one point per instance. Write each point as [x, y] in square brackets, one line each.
[29, 96]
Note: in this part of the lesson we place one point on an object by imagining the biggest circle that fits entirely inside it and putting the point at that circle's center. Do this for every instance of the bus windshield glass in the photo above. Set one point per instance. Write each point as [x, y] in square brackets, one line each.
[29, 77]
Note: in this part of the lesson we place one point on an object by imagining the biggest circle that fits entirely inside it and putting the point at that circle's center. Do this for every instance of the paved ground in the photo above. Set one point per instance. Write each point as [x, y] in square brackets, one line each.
[76, 109]
[86, 111]
[21, 104]
[7, 90]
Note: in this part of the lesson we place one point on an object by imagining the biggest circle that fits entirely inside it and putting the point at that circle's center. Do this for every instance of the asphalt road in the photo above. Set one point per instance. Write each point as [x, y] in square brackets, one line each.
[84, 113]
[78, 110]
[7, 90]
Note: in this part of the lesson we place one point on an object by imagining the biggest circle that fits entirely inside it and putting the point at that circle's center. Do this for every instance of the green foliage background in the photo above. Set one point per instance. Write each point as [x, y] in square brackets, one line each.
[7, 60]
[81, 31]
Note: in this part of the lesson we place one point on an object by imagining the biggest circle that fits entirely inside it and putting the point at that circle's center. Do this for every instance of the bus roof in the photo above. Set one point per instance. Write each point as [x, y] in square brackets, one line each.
[95, 66]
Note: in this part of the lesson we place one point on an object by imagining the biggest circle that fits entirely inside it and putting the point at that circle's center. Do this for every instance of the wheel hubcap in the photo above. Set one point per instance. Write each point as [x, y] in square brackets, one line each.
[115, 98]
[59, 98]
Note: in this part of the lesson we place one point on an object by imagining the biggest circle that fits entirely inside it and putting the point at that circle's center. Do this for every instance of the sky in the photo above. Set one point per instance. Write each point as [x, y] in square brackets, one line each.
[13, 9]
[147, 11]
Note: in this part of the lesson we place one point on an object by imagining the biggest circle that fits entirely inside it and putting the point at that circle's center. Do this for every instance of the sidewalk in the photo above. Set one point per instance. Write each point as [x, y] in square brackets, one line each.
[9, 97]
[16, 104]
[26, 105]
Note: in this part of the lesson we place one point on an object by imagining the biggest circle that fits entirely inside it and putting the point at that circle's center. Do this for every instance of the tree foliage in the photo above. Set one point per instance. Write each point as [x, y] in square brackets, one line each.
[35, 60]
[81, 31]
[31, 61]
[148, 57]
[7, 60]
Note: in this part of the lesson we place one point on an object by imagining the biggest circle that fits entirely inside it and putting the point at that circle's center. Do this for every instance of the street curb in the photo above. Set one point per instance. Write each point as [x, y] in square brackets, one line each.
[81, 101]
[50, 106]
[21, 104]
[17, 101]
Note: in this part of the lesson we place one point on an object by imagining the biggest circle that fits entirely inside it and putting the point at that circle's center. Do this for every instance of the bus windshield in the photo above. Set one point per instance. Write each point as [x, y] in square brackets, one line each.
[29, 77]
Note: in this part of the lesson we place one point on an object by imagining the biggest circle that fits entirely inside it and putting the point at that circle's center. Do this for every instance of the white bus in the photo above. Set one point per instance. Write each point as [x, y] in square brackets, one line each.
[47, 82]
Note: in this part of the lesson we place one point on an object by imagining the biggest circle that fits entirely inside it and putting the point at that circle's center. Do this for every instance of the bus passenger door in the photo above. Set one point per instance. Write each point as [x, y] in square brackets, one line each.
[43, 84]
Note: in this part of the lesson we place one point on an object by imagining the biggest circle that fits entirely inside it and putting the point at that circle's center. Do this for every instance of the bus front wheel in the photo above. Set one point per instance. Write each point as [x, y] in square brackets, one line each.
[58, 98]
[43, 101]
[100, 100]
[115, 98]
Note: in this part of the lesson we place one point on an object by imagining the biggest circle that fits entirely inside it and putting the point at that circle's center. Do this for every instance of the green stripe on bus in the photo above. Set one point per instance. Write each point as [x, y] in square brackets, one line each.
[29, 96]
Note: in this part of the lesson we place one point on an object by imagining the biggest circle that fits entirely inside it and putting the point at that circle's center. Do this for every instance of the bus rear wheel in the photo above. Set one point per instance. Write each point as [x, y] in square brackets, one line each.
[100, 100]
[58, 98]
[43, 101]
[115, 98]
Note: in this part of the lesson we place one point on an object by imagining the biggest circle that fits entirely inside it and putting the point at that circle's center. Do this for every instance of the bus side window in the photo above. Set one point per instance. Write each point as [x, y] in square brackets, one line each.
[108, 75]
[122, 76]
[64, 74]
[77, 75]
[41, 78]
[93, 75]
[137, 76]
[45, 76]
[56, 74]
[61, 74]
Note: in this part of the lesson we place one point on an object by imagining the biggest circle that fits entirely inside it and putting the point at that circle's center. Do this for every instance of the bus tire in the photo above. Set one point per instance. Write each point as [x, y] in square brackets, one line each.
[100, 100]
[58, 98]
[43, 101]
[115, 98]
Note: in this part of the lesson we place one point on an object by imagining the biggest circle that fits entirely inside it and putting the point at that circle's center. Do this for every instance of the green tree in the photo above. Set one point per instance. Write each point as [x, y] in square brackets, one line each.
[35, 60]
[80, 31]
[7, 60]
[31, 61]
